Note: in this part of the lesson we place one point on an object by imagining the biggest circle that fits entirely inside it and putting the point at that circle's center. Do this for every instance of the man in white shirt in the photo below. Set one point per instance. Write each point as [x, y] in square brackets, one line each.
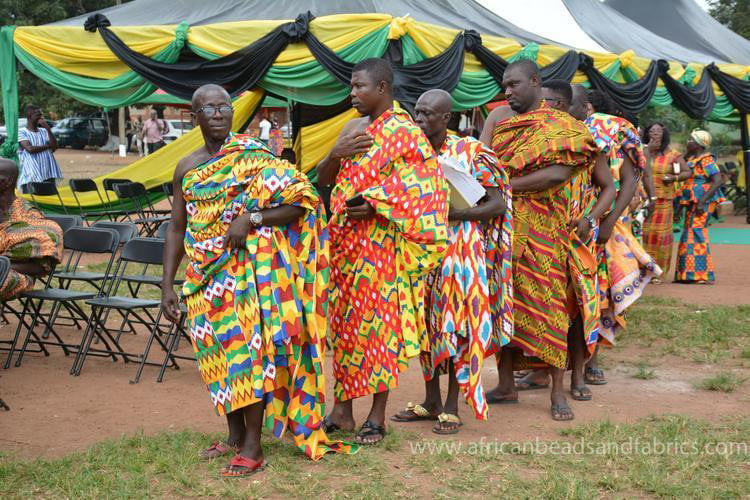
[265, 130]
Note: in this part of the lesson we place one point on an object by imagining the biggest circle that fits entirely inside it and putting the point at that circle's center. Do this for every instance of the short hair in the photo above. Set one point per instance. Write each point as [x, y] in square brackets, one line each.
[379, 69]
[529, 67]
[30, 108]
[665, 138]
[559, 87]
[204, 89]
[602, 102]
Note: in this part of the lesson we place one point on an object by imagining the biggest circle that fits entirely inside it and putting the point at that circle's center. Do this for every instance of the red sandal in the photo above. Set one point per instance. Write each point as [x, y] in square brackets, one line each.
[217, 449]
[247, 466]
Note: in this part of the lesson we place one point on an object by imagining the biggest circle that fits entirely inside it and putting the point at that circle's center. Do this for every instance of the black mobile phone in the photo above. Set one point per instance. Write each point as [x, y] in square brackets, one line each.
[356, 201]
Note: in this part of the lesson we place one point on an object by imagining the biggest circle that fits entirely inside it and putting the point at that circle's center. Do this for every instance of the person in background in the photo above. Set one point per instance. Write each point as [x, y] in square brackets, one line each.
[700, 197]
[37, 143]
[138, 134]
[265, 130]
[33, 244]
[153, 133]
[666, 167]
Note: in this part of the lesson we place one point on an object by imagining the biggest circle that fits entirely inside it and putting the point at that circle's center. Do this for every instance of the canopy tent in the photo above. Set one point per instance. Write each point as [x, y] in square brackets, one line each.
[308, 60]
[685, 23]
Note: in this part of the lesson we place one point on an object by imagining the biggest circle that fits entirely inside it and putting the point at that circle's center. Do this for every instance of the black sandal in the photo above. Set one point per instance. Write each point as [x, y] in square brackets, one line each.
[328, 426]
[594, 376]
[367, 430]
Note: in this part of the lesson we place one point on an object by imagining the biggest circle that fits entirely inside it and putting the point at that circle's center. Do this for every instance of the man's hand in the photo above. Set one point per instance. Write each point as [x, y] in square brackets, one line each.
[237, 232]
[582, 228]
[351, 144]
[169, 303]
[668, 179]
[361, 212]
[605, 232]
[42, 123]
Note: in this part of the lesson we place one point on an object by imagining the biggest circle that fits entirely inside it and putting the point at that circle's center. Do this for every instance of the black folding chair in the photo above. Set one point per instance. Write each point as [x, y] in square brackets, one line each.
[140, 207]
[4, 270]
[89, 186]
[79, 241]
[132, 309]
[175, 334]
[108, 185]
[168, 188]
[45, 189]
[66, 221]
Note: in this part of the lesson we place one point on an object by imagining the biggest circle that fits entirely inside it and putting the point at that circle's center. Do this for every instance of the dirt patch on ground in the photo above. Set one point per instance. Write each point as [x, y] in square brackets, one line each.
[54, 413]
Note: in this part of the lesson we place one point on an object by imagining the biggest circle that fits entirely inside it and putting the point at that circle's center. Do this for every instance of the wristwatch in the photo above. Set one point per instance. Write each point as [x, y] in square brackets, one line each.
[589, 219]
[256, 219]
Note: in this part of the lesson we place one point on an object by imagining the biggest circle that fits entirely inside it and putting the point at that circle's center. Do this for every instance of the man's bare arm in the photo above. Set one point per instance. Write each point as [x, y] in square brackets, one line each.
[541, 180]
[496, 115]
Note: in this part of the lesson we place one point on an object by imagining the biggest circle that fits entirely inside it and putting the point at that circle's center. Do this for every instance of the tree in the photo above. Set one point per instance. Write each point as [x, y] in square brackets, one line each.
[35, 13]
[734, 14]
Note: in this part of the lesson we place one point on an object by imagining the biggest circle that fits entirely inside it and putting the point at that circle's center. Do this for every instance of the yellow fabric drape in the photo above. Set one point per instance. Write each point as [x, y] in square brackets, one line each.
[336, 32]
[315, 141]
[158, 168]
[72, 49]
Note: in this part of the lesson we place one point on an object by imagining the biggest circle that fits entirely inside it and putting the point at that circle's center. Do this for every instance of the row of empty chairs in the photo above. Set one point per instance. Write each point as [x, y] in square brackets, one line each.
[91, 300]
[123, 200]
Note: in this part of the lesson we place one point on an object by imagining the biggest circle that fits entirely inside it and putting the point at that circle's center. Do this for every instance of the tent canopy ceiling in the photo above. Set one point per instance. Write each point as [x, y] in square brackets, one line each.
[618, 33]
[456, 14]
[685, 23]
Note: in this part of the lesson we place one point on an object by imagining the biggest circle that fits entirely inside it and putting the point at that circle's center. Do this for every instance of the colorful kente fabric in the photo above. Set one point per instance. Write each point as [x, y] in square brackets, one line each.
[541, 238]
[256, 315]
[657, 229]
[694, 261]
[469, 297]
[376, 310]
[624, 266]
[25, 235]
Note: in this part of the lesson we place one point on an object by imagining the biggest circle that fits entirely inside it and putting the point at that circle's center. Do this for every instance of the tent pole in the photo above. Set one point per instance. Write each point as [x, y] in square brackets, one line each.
[746, 159]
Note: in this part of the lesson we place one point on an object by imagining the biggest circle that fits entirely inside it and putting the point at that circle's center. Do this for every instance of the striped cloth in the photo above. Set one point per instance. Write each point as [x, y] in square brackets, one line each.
[36, 167]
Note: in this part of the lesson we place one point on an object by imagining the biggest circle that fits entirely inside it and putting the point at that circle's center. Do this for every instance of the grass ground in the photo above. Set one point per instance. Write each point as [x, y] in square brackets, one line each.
[660, 456]
[620, 460]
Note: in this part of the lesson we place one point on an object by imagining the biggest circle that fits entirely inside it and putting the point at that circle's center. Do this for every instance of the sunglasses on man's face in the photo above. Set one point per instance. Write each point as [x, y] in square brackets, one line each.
[212, 110]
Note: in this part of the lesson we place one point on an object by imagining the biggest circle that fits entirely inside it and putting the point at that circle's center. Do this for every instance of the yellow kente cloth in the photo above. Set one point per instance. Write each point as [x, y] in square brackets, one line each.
[256, 315]
[377, 317]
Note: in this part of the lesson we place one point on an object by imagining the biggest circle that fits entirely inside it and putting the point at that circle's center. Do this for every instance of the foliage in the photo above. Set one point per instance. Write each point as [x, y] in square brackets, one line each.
[30, 13]
[734, 14]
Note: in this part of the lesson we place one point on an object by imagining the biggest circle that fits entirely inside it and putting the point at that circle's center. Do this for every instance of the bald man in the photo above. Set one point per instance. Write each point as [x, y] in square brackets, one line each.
[468, 299]
[257, 324]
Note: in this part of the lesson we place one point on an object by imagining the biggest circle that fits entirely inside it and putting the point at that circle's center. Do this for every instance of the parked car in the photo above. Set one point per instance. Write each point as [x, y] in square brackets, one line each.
[4, 130]
[176, 128]
[79, 132]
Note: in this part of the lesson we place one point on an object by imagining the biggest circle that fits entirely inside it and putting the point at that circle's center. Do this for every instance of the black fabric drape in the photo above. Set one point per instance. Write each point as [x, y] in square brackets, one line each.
[697, 101]
[440, 72]
[563, 68]
[239, 71]
[494, 63]
[630, 97]
[736, 90]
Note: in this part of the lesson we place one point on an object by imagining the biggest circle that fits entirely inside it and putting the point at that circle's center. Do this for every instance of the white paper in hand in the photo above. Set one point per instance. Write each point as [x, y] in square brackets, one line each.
[466, 191]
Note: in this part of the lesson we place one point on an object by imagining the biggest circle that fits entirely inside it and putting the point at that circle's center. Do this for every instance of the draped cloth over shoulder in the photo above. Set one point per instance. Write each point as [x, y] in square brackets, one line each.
[470, 295]
[377, 265]
[541, 240]
[256, 315]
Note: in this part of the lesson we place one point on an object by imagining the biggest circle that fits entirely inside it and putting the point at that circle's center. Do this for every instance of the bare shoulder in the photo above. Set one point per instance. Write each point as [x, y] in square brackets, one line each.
[188, 163]
[356, 124]
[500, 113]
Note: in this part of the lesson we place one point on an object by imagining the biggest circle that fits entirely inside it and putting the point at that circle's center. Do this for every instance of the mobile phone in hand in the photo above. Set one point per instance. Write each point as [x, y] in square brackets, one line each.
[355, 201]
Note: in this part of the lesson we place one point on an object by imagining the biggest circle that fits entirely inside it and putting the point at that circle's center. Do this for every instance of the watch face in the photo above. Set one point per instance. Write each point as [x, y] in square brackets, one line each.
[256, 218]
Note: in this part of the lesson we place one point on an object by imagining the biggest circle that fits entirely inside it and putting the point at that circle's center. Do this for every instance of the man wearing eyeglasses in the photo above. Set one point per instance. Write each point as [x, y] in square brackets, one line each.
[255, 286]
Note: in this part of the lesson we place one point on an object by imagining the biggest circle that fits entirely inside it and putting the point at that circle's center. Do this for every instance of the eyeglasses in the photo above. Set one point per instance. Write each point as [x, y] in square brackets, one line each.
[211, 110]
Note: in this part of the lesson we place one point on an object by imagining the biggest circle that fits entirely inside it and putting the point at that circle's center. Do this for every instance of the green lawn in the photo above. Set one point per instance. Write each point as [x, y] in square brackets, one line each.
[167, 465]
[704, 334]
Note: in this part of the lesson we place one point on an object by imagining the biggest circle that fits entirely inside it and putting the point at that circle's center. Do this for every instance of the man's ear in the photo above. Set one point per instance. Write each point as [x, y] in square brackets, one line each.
[381, 86]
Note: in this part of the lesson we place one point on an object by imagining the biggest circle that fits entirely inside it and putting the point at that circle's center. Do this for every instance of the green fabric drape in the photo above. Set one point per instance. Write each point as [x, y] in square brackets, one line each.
[9, 86]
[120, 91]
[310, 83]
